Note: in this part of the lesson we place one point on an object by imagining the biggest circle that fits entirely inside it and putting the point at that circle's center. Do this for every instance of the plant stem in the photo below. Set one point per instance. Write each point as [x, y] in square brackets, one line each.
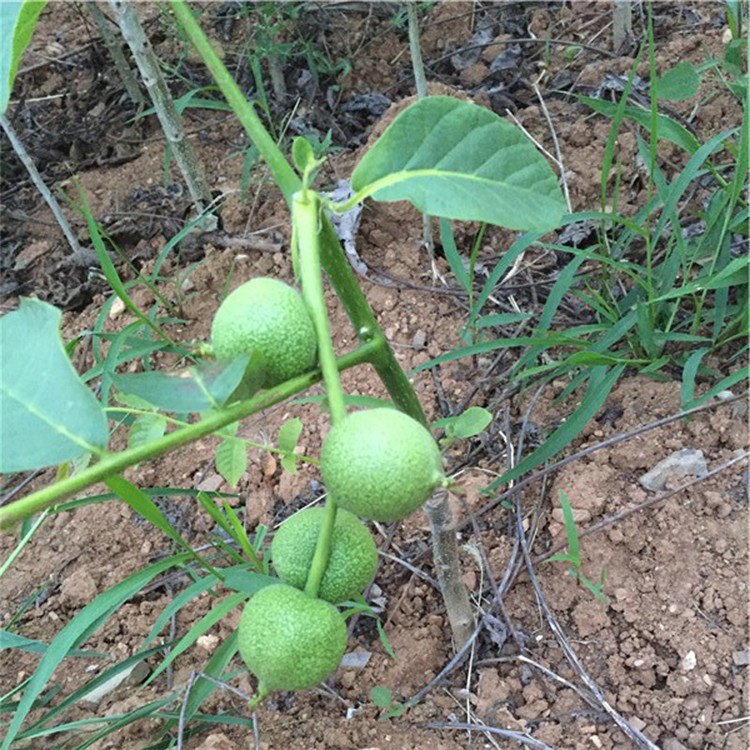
[448, 567]
[36, 178]
[306, 218]
[332, 258]
[148, 65]
[117, 55]
[622, 23]
[283, 174]
[117, 462]
[420, 82]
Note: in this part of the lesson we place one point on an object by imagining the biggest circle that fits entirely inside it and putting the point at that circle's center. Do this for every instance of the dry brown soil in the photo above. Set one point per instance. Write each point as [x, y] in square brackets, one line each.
[667, 646]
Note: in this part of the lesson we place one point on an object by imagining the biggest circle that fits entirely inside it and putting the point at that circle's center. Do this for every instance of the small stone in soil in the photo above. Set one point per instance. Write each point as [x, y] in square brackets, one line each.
[689, 661]
[687, 462]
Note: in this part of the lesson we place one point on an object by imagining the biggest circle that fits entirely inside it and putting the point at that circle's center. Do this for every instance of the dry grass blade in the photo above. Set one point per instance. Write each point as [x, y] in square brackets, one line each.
[508, 734]
[637, 737]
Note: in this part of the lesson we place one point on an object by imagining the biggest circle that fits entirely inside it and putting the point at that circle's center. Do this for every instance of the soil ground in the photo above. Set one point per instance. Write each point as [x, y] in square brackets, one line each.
[669, 646]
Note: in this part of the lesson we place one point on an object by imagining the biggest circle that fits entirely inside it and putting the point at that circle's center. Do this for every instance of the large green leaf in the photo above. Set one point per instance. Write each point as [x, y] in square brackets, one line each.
[455, 159]
[47, 415]
[17, 23]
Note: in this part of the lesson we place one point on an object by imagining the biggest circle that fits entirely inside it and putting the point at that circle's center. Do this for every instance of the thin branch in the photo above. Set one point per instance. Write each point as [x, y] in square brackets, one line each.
[36, 178]
[509, 734]
[448, 566]
[558, 151]
[117, 55]
[148, 65]
[460, 655]
[631, 732]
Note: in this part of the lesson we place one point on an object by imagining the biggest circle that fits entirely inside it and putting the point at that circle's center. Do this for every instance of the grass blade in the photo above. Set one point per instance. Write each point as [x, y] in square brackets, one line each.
[202, 689]
[455, 261]
[217, 612]
[601, 383]
[145, 507]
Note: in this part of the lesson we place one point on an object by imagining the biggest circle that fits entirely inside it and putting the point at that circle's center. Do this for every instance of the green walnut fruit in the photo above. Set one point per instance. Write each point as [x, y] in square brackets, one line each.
[289, 640]
[380, 464]
[351, 563]
[267, 319]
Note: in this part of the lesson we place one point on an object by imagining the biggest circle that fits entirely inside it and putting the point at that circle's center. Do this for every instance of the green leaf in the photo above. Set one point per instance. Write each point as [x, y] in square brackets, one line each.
[448, 241]
[384, 639]
[467, 424]
[455, 159]
[81, 627]
[195, 389]
[202, 688]
[502, 319]
[570, 531]
[302, 154]
[689, 371]
[88, 687]
[231, 460]
[288, 436]
[145, 429]
[205, 623]
[472, 422]
[246, 581]
[145, 507]
[47, 415]
[733, 274]
[17, 23]
[678, 83]
[396, 710]
[22, 643]
[381, 696]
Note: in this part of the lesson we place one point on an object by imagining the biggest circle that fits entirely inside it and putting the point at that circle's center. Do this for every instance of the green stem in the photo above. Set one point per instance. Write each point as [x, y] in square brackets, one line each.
[116, 463]
[283, 174]
[322, 549]
[306, 221]
[331, 256]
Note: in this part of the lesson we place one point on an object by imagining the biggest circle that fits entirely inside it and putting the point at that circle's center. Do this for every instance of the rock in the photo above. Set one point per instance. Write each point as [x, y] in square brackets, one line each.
[673, 744]
[78, 589]
[355, 660]
[580, 515]
[684, 463]
[211, 483]
[419, 340]
[473, 75]
[689, 661]
[741, 658]
[208, 642]
[30, 255]
[133, 675]
[217, 741]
